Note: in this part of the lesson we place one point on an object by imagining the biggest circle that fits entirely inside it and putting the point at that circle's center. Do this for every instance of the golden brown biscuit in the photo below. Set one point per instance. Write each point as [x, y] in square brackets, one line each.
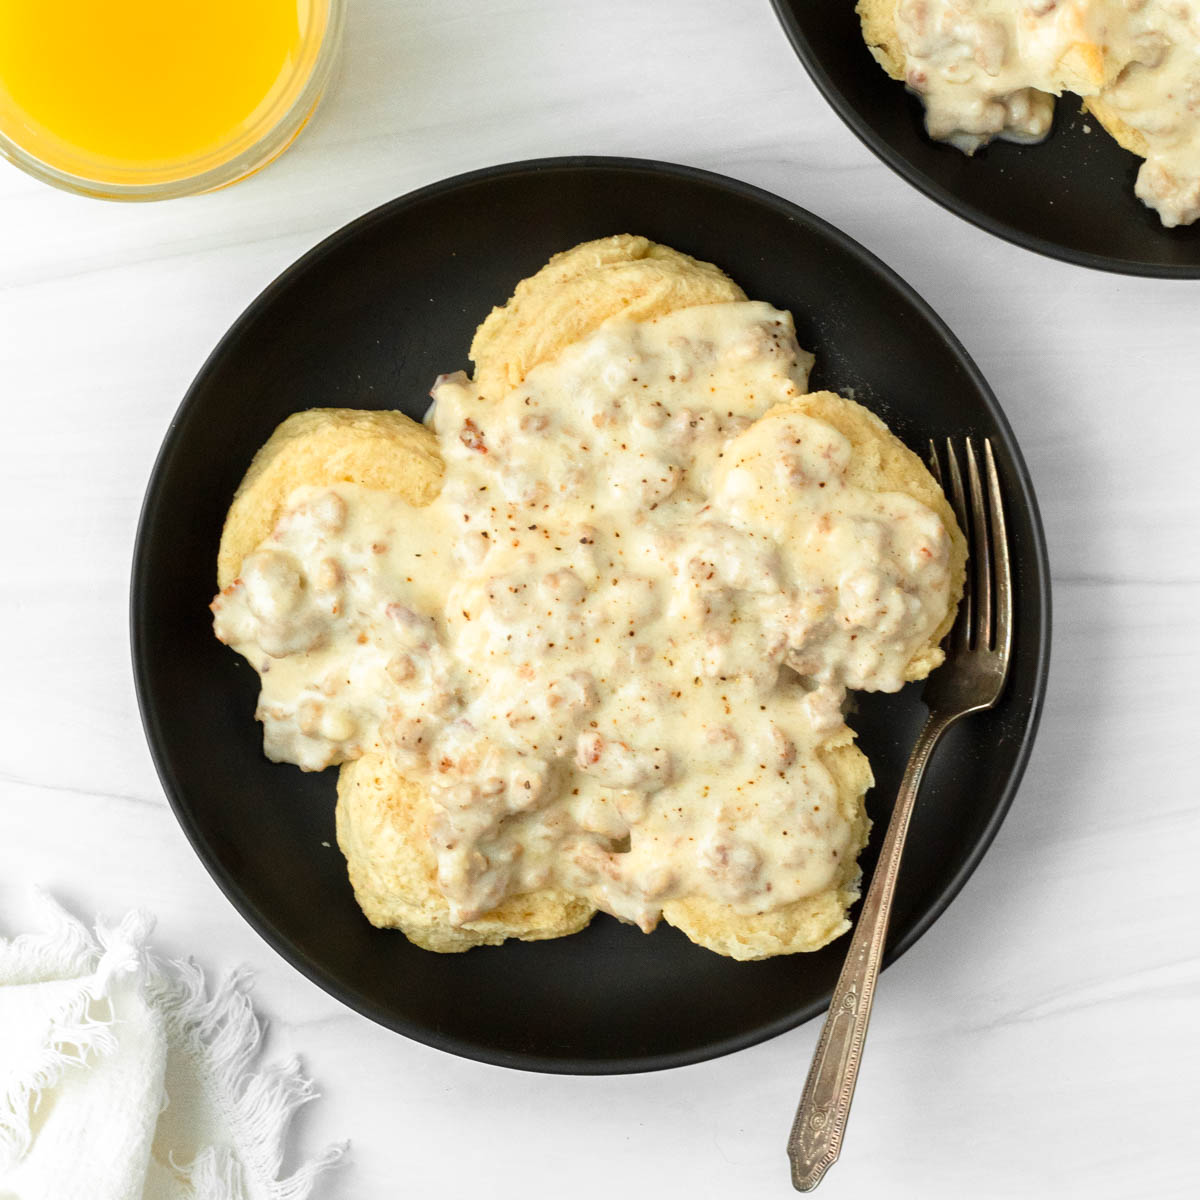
[807, 924]
[1116, 126]
[384, 450]
[881, 462]
[389, 452]
[878, 18]
[383, 830]
[577, 291]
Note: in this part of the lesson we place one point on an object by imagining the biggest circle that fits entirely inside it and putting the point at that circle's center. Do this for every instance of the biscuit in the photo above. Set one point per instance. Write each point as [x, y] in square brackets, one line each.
[1116, 126]
[383, 450]
[804, 925]
[389, 452]
[382, 829]
[579, 289]
[878, 19]
[881, 462]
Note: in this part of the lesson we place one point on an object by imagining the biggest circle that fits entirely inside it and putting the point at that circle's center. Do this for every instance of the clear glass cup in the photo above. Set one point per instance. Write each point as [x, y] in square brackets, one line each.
[270, 131]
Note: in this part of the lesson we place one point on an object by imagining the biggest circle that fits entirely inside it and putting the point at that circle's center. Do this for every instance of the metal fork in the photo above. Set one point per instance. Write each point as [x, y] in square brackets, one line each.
[977, 657]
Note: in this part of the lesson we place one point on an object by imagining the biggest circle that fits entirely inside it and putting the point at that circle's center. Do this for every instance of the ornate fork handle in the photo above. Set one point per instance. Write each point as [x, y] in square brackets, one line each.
[978, 649]
[816, 1138]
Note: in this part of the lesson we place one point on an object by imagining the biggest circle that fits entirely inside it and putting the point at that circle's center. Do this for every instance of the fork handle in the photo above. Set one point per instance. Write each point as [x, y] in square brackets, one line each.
[816, 1138]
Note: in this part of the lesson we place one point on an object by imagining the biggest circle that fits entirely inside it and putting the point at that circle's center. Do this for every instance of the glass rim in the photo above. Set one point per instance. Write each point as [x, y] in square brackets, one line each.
[270, 143]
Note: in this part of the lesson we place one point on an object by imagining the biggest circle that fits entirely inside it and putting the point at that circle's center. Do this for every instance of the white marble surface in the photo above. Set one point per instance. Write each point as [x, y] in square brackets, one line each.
[1041, 1040]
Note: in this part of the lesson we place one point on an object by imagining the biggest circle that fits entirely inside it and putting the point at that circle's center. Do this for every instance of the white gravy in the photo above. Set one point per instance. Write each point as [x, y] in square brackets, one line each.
[986, 68]
[615, 644]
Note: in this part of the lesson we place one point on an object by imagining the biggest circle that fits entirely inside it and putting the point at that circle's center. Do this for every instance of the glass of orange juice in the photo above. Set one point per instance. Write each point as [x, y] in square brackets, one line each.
[149, 99]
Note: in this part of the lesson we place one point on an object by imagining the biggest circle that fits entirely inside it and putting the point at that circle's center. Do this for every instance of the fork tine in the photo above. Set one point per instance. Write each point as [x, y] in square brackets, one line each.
[960, 634]
[1004, 598]
[982, 625]
[935, 467]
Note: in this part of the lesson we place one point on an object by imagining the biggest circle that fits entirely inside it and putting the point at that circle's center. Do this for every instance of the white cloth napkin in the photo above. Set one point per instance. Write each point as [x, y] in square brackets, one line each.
[122, 1079]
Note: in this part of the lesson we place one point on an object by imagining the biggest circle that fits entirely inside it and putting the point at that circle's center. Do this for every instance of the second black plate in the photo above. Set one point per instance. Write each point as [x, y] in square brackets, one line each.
[1070, 197]
[367, 320]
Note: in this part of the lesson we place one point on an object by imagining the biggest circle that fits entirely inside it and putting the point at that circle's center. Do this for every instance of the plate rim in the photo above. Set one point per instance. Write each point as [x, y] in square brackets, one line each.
[261, 921]
[952, 203]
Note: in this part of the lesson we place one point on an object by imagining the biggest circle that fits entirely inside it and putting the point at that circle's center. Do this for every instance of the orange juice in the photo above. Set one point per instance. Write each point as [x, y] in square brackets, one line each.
[131, 90]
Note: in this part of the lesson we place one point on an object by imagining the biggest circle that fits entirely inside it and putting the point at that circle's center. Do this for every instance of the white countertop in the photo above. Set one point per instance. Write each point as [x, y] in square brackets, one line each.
[1041, 1039]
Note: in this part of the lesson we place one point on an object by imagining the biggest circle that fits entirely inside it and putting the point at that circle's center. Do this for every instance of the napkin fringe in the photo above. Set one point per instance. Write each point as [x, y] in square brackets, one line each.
[223, 1036]
[216, 1175]
[64, 950]
[75, 1033]
[220, 1034]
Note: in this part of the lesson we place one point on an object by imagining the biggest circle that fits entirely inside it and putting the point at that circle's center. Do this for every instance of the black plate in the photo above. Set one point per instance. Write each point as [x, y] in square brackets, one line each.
[1070, 197]
[368, 319]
